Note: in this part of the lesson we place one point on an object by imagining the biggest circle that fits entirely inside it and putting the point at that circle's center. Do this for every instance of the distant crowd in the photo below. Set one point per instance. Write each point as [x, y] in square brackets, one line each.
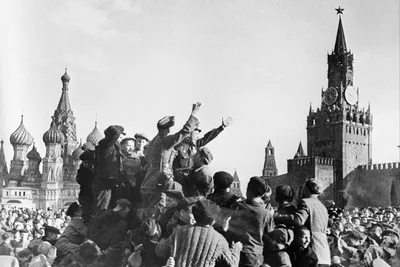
[155, 202]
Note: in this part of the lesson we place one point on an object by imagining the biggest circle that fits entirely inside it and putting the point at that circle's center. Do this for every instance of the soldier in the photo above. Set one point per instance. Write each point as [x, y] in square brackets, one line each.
[188, 148]
[160, 156]
[108, 167]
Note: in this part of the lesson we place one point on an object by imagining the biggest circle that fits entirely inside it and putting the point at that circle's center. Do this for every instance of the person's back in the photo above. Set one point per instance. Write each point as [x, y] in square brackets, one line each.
[314, 215]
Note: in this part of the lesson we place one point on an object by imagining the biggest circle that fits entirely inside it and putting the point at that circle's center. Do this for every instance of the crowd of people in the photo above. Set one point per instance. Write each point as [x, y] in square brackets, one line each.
[155, 202]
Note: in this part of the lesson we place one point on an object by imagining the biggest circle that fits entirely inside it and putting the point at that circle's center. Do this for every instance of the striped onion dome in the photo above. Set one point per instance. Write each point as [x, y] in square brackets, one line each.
[21, 136]
[33, 154]
[78, 151]
[53, 135]
[95, 136]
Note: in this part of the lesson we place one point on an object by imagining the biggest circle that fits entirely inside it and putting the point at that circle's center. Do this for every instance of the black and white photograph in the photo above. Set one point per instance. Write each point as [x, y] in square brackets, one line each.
[185, 133]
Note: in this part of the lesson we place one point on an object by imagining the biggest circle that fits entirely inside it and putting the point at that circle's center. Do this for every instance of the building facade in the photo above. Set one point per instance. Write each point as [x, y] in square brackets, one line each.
[339, 145]
[54, 186]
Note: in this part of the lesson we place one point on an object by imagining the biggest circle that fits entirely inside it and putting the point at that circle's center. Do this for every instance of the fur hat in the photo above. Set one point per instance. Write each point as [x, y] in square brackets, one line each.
[222, 180]
[284, 192]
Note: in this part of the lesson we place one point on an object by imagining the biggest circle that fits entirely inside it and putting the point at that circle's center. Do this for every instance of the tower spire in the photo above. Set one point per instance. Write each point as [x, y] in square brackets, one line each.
[3, 163]
[269, 163]
[340, 44]
[300, 151]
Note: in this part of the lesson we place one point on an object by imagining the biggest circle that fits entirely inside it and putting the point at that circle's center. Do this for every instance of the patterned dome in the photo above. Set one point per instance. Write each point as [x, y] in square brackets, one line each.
[53, 135]
[33, 154]
[95, 136]
[77, 152]
[21, 136]
[65, 78]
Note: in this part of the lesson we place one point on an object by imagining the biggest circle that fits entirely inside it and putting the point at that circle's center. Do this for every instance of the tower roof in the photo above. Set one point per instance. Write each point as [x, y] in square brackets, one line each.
[21, 136]
[64, 106]
[340, 44]
[33, 154]
[53, 135]
[235, 177]
[95, 136]
[269, 144]
[300, 151]
[3, 163]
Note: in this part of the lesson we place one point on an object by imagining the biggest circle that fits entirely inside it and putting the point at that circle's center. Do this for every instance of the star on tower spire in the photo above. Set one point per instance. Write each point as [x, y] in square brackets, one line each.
[339, 10]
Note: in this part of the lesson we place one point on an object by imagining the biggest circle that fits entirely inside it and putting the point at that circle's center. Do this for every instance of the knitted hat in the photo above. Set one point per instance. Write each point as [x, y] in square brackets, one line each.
[284, 192]
[222, 180]
[202, 212]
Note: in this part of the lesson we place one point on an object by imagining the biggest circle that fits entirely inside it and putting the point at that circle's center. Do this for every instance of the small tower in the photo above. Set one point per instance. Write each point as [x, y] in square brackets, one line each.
[300, 152]
[235, 188]
[3, 165]
[65, 122]
[21, 140]
[95, 136]
[33, 173]
[269, 164]
[52, 180]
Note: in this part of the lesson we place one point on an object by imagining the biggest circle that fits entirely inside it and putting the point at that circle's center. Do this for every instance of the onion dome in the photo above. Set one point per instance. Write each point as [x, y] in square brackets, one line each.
[21, 136]
[65, 78]
[53, 135]
[78, 151]
[33, 154]
[95, 136]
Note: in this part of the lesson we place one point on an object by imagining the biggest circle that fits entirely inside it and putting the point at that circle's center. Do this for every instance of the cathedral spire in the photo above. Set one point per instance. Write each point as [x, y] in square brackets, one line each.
[64, 107]
[300, 151]
[340, 44]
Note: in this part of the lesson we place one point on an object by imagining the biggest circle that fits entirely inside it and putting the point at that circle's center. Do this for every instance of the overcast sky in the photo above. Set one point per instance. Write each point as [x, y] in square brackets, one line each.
[133, 62]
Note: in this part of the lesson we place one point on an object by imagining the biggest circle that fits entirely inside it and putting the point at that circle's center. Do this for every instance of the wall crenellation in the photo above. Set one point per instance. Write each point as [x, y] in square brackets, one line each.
[381, 166]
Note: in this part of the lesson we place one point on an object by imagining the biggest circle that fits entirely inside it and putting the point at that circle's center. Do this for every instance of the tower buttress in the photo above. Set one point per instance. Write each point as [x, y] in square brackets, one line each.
[269, 163]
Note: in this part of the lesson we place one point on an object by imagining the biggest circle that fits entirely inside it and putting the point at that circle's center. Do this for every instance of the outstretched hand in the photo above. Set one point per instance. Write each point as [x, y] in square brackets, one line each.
[225, 223]
[226, 122]
[196, 108]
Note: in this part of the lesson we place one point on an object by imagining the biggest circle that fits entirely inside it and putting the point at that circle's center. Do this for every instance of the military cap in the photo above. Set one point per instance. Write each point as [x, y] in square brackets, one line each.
[124, 202]
[114, 130]
[166, 122]
[222, 180]
[390, 232]
[51, 229]
[142, 136]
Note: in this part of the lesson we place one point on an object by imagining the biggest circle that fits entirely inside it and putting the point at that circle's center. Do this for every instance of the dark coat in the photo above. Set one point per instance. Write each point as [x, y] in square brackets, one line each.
[258, 222]
[186, 150]
[313, 214]
[223, 199]
[108, 162]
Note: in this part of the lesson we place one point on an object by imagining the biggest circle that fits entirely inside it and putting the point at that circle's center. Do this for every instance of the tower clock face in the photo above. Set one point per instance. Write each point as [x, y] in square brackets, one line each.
[330, 96]
[351, 95]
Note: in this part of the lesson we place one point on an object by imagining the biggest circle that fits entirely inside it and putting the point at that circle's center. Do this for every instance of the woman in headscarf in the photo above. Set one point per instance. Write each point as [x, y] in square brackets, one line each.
[75, 233]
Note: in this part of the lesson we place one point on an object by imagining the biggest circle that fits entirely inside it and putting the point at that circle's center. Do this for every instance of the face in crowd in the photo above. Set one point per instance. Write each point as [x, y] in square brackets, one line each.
[140, 144]
[302, 240]
[128, 147]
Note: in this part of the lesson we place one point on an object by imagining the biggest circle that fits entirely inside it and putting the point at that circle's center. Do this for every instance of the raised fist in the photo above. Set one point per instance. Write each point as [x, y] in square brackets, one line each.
[226, 122]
